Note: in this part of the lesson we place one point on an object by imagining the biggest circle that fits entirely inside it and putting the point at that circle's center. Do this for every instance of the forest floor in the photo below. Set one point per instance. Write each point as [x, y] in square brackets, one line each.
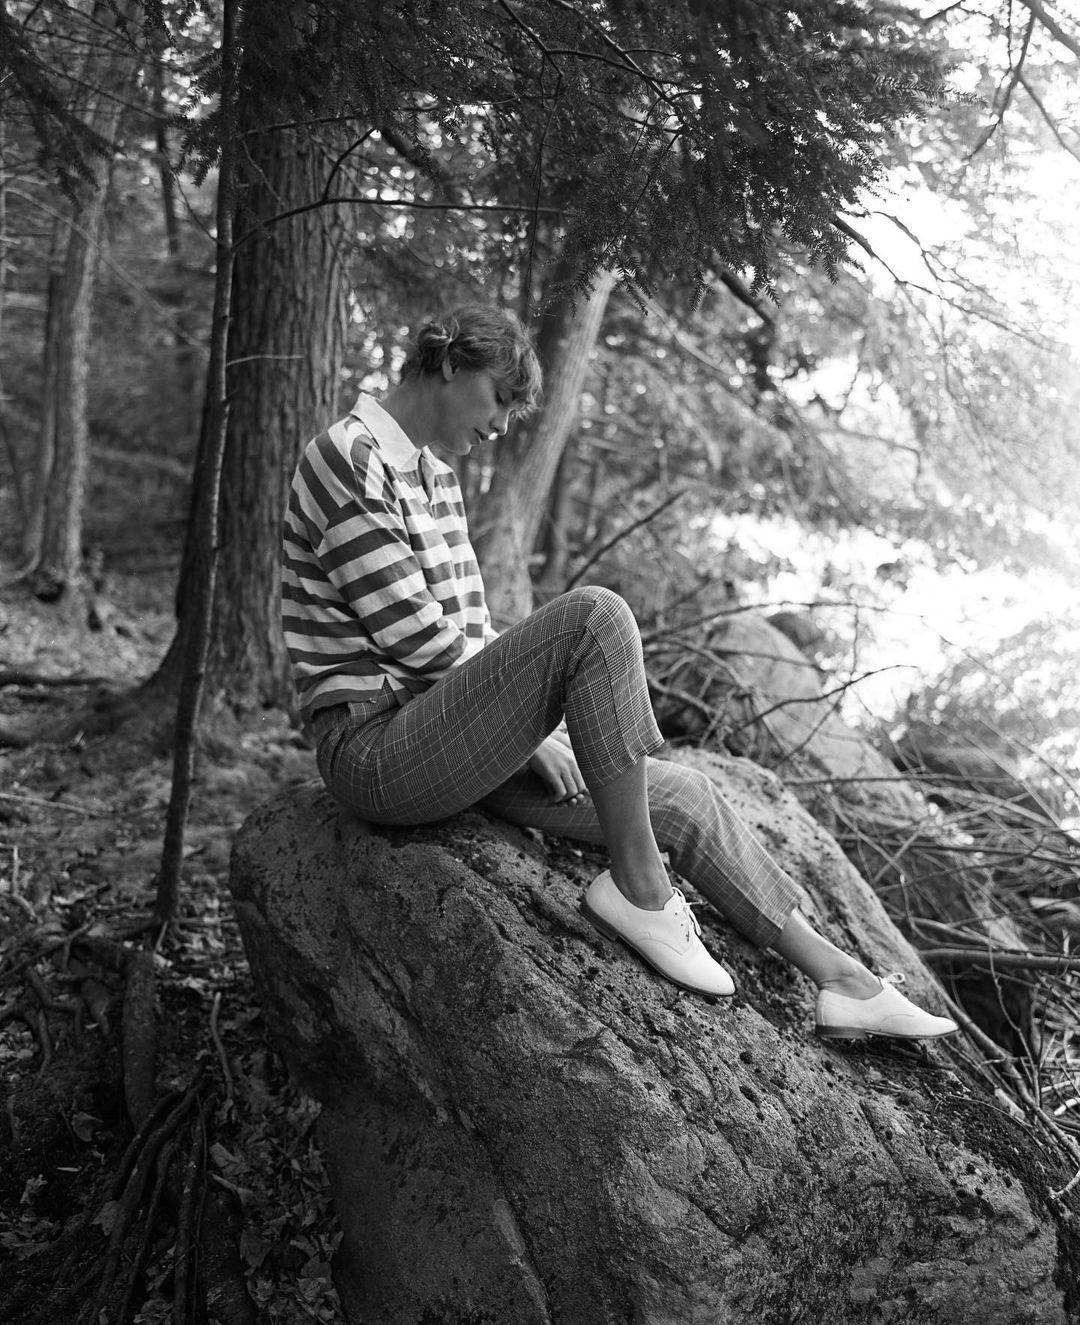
[81, 828]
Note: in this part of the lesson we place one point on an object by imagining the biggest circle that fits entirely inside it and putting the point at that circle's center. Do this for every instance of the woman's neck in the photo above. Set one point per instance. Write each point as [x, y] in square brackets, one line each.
[413, 409]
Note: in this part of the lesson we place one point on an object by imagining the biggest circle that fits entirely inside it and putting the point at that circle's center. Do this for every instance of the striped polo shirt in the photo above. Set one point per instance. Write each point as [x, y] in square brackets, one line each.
[379, 580]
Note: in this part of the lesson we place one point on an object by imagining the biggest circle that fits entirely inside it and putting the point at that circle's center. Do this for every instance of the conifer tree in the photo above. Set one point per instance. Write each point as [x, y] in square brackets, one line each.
[652, 139]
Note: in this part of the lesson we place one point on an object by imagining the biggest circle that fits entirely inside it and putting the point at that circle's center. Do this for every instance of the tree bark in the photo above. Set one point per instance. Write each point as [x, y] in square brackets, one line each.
[286, 351]
[34, 530]
[55, 532]
[515, 504]
[176, 292]
[286, 348]
[557, 534]
[59, 557]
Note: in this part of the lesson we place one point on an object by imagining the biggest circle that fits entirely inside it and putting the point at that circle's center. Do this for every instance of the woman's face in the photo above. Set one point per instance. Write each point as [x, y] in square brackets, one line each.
[473, 407]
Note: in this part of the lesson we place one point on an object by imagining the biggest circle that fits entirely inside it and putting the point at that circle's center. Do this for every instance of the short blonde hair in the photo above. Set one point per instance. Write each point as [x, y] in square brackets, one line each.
[476, 337]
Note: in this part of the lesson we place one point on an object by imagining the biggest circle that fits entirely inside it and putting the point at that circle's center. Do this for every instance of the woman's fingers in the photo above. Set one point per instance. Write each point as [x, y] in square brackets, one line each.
[556, 764]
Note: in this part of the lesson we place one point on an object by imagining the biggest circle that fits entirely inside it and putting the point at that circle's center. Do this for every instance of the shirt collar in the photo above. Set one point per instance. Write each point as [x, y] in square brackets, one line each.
[392, 440]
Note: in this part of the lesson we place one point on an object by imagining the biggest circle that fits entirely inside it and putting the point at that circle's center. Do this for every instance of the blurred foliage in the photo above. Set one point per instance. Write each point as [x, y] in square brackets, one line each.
[1019, 701]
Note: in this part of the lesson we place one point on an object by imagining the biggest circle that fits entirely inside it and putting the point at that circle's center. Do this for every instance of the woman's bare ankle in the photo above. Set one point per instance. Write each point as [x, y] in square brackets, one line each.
[648, 890]
[859, 984]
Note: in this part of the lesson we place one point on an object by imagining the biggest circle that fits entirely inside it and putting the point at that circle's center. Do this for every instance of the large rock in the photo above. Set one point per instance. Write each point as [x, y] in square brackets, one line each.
[524, 1124]
[765, 699]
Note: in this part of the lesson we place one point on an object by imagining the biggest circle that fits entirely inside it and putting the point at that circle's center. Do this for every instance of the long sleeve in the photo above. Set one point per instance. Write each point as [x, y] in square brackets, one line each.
[368, 557]
[380, 584]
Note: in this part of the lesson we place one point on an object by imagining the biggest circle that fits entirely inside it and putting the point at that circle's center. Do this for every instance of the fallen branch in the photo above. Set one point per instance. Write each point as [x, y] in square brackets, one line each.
[17, 676]
[997, 958]
[1018, 1092]
[22, 799]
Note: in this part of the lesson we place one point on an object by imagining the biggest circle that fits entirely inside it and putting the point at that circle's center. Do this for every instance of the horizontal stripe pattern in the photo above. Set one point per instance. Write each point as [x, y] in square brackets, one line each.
[379, 580]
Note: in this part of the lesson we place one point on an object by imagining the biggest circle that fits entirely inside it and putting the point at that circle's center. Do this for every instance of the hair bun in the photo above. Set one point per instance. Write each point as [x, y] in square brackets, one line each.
[434, 343]
[477, 337]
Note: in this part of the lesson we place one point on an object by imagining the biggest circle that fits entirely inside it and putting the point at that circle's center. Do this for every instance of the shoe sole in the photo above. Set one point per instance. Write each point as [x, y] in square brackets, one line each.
[861, 1033]
[612, 933]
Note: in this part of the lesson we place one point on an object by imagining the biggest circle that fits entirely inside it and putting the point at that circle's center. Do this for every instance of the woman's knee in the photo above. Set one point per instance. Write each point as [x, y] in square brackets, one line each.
[593, 597]
[604, 612]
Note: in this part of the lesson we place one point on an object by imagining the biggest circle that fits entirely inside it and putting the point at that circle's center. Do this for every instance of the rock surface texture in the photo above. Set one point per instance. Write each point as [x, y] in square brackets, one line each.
[523, 1124]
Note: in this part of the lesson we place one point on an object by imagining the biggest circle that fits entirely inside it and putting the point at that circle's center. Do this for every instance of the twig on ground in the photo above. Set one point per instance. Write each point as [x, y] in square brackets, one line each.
[989, 958]
[1057, 1194]
[216, 1037]
[22, 799]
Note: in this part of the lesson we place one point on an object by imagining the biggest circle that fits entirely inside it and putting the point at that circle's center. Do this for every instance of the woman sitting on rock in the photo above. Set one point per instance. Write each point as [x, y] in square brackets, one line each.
[420, 709]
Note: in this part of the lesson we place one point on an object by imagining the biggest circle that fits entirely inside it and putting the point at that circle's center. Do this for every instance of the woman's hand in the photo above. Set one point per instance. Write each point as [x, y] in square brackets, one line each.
[554, 762]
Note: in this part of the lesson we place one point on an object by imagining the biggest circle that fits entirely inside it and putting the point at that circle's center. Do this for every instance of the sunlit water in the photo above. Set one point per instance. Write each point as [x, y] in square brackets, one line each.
[898, 622]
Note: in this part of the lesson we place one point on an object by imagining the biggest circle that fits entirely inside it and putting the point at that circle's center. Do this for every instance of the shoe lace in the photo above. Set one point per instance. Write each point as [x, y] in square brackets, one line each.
[685, 912]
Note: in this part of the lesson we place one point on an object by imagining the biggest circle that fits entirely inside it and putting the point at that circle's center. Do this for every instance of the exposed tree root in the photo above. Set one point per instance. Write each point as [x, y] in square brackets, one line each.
[185, 1253]
[225, 1288]
[95, 1271]
[18, 676]
[139, 1036]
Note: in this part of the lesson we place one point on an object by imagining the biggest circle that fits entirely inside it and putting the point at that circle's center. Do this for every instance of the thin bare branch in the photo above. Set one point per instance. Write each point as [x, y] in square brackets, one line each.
[1025, 83]
[1014, 78]
[1052, 26]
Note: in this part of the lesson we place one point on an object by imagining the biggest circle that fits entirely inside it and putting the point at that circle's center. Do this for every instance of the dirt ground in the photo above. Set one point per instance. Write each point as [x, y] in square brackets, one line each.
[225, 1179]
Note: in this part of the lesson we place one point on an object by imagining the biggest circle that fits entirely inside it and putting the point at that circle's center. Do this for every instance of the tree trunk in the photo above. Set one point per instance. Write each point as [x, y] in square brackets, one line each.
[58, 568]
[34, 530]
[286, 351]
[286, 347]
[514, 507]
[5, 245]
[557, 534]
[176, 292]
[55, 532]
[203, 546]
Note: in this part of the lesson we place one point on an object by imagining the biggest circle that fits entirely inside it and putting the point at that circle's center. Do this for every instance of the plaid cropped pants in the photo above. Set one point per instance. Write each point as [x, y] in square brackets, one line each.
[466, 741]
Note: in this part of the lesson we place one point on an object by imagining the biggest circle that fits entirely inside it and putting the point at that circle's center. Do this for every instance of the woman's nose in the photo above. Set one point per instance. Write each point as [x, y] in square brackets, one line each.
[501, 422]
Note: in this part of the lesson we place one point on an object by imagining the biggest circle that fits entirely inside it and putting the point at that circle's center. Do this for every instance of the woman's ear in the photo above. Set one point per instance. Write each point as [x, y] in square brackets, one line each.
[448, 369]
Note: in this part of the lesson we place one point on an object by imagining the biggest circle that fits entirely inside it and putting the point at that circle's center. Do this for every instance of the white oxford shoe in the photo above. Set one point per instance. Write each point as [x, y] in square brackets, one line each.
[887, 1013]
[669, 940]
